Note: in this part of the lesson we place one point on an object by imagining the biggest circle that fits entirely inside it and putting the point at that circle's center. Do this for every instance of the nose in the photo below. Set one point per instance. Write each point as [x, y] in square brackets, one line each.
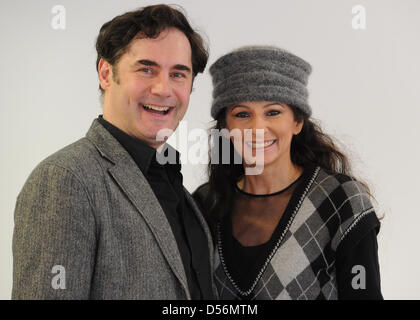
[259, 123]
[161, 86]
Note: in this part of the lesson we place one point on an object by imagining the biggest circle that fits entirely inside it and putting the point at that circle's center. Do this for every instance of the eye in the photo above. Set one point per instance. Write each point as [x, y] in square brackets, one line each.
[241, 114]
[146, 70]
[178, 75]
[273, 113]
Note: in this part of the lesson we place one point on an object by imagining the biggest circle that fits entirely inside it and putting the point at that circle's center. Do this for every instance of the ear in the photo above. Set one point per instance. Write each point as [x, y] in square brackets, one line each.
[298, 127]
[105, 74]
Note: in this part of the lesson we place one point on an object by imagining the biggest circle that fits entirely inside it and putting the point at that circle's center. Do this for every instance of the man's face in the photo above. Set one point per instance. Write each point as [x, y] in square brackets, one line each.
[151, 86]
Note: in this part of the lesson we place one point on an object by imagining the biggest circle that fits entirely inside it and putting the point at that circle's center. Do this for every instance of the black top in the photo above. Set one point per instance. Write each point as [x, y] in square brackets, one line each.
[244, 261]
[365, 253]
[166, 182]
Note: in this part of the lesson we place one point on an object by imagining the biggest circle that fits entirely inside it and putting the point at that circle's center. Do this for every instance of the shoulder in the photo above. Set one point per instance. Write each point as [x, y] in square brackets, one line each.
[202, 190]
[345, 204]
[74, 162]
[201, 193]
[342, 191]
[74, 156]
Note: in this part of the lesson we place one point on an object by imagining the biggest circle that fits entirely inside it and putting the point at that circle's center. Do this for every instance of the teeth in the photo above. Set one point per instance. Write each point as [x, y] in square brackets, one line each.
[260, 144]
[157, 108]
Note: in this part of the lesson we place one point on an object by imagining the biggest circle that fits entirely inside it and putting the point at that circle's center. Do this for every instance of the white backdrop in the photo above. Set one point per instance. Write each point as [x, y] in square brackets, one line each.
[364, 89]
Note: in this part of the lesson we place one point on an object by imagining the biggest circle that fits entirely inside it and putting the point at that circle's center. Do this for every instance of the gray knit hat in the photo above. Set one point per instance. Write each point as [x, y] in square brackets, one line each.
[260, 73]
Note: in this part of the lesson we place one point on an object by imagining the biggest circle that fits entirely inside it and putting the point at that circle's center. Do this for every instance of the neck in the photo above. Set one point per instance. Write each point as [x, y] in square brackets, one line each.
[158, 145]
[275, 177]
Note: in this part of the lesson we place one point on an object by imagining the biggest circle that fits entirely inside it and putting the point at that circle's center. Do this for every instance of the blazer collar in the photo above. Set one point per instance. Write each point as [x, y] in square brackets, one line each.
[133, 183]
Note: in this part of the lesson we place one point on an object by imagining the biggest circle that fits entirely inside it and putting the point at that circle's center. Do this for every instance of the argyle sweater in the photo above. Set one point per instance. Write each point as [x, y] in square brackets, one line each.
[330, 212]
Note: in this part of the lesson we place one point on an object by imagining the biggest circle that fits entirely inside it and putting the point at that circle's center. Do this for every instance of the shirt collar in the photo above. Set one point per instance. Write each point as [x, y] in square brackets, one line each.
[169, 156]
[142, 154]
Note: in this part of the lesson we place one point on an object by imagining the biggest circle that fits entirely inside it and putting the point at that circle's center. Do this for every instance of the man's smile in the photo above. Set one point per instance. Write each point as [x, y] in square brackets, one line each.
[163, 110]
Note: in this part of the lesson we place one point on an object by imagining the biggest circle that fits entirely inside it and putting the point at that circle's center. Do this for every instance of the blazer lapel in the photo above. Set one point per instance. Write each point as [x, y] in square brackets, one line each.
[134, 184]
[206, 229]
[202, 221]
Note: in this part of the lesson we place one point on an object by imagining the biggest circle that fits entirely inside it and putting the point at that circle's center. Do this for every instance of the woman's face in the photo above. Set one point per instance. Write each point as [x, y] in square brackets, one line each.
[270, 144]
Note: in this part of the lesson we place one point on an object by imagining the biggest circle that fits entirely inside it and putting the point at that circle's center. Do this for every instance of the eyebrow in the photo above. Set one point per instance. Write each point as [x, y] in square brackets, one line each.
[151, 63]
[265, 106]
[238, 106]
[275, 103]
[147, 62]
[182, 67]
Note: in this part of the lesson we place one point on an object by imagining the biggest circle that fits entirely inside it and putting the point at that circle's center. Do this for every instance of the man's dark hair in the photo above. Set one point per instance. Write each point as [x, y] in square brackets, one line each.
[148, 22]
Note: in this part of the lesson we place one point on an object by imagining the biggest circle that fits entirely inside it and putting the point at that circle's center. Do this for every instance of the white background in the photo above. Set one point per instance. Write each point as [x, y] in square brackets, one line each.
[364, 89]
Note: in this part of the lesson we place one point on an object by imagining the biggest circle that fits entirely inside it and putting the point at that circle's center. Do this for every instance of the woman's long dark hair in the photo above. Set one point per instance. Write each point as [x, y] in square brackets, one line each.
[310, 146]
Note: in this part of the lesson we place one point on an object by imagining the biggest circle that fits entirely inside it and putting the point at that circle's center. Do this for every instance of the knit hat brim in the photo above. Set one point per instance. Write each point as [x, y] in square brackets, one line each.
[262, 73]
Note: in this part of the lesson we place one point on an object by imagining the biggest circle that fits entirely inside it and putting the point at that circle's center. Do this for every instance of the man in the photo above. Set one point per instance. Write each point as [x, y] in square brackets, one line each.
[103, 218]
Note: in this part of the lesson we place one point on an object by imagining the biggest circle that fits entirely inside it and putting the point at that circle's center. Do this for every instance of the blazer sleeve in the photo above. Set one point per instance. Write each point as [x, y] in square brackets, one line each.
[54, 237]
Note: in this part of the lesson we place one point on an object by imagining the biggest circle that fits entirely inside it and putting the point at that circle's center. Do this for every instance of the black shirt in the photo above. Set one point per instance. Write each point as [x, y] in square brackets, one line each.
[166, 182]
[364, 253]
[246, 261]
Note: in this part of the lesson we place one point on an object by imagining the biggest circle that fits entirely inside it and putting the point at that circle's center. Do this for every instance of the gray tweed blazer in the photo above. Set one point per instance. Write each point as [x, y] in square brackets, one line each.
[88, 226]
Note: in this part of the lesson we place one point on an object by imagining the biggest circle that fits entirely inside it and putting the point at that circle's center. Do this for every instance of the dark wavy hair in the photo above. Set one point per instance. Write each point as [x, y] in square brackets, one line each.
[311, 146]
[148, 22]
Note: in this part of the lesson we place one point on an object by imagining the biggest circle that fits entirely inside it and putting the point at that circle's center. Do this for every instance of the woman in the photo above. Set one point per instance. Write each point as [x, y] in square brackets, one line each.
[289, 222]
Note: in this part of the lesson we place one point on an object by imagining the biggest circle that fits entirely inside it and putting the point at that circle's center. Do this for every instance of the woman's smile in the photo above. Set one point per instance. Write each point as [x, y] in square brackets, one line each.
[264, 145]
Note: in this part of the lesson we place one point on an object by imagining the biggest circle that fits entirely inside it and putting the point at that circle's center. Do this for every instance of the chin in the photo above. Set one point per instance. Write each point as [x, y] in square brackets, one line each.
[165, 133]
[269, 160]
